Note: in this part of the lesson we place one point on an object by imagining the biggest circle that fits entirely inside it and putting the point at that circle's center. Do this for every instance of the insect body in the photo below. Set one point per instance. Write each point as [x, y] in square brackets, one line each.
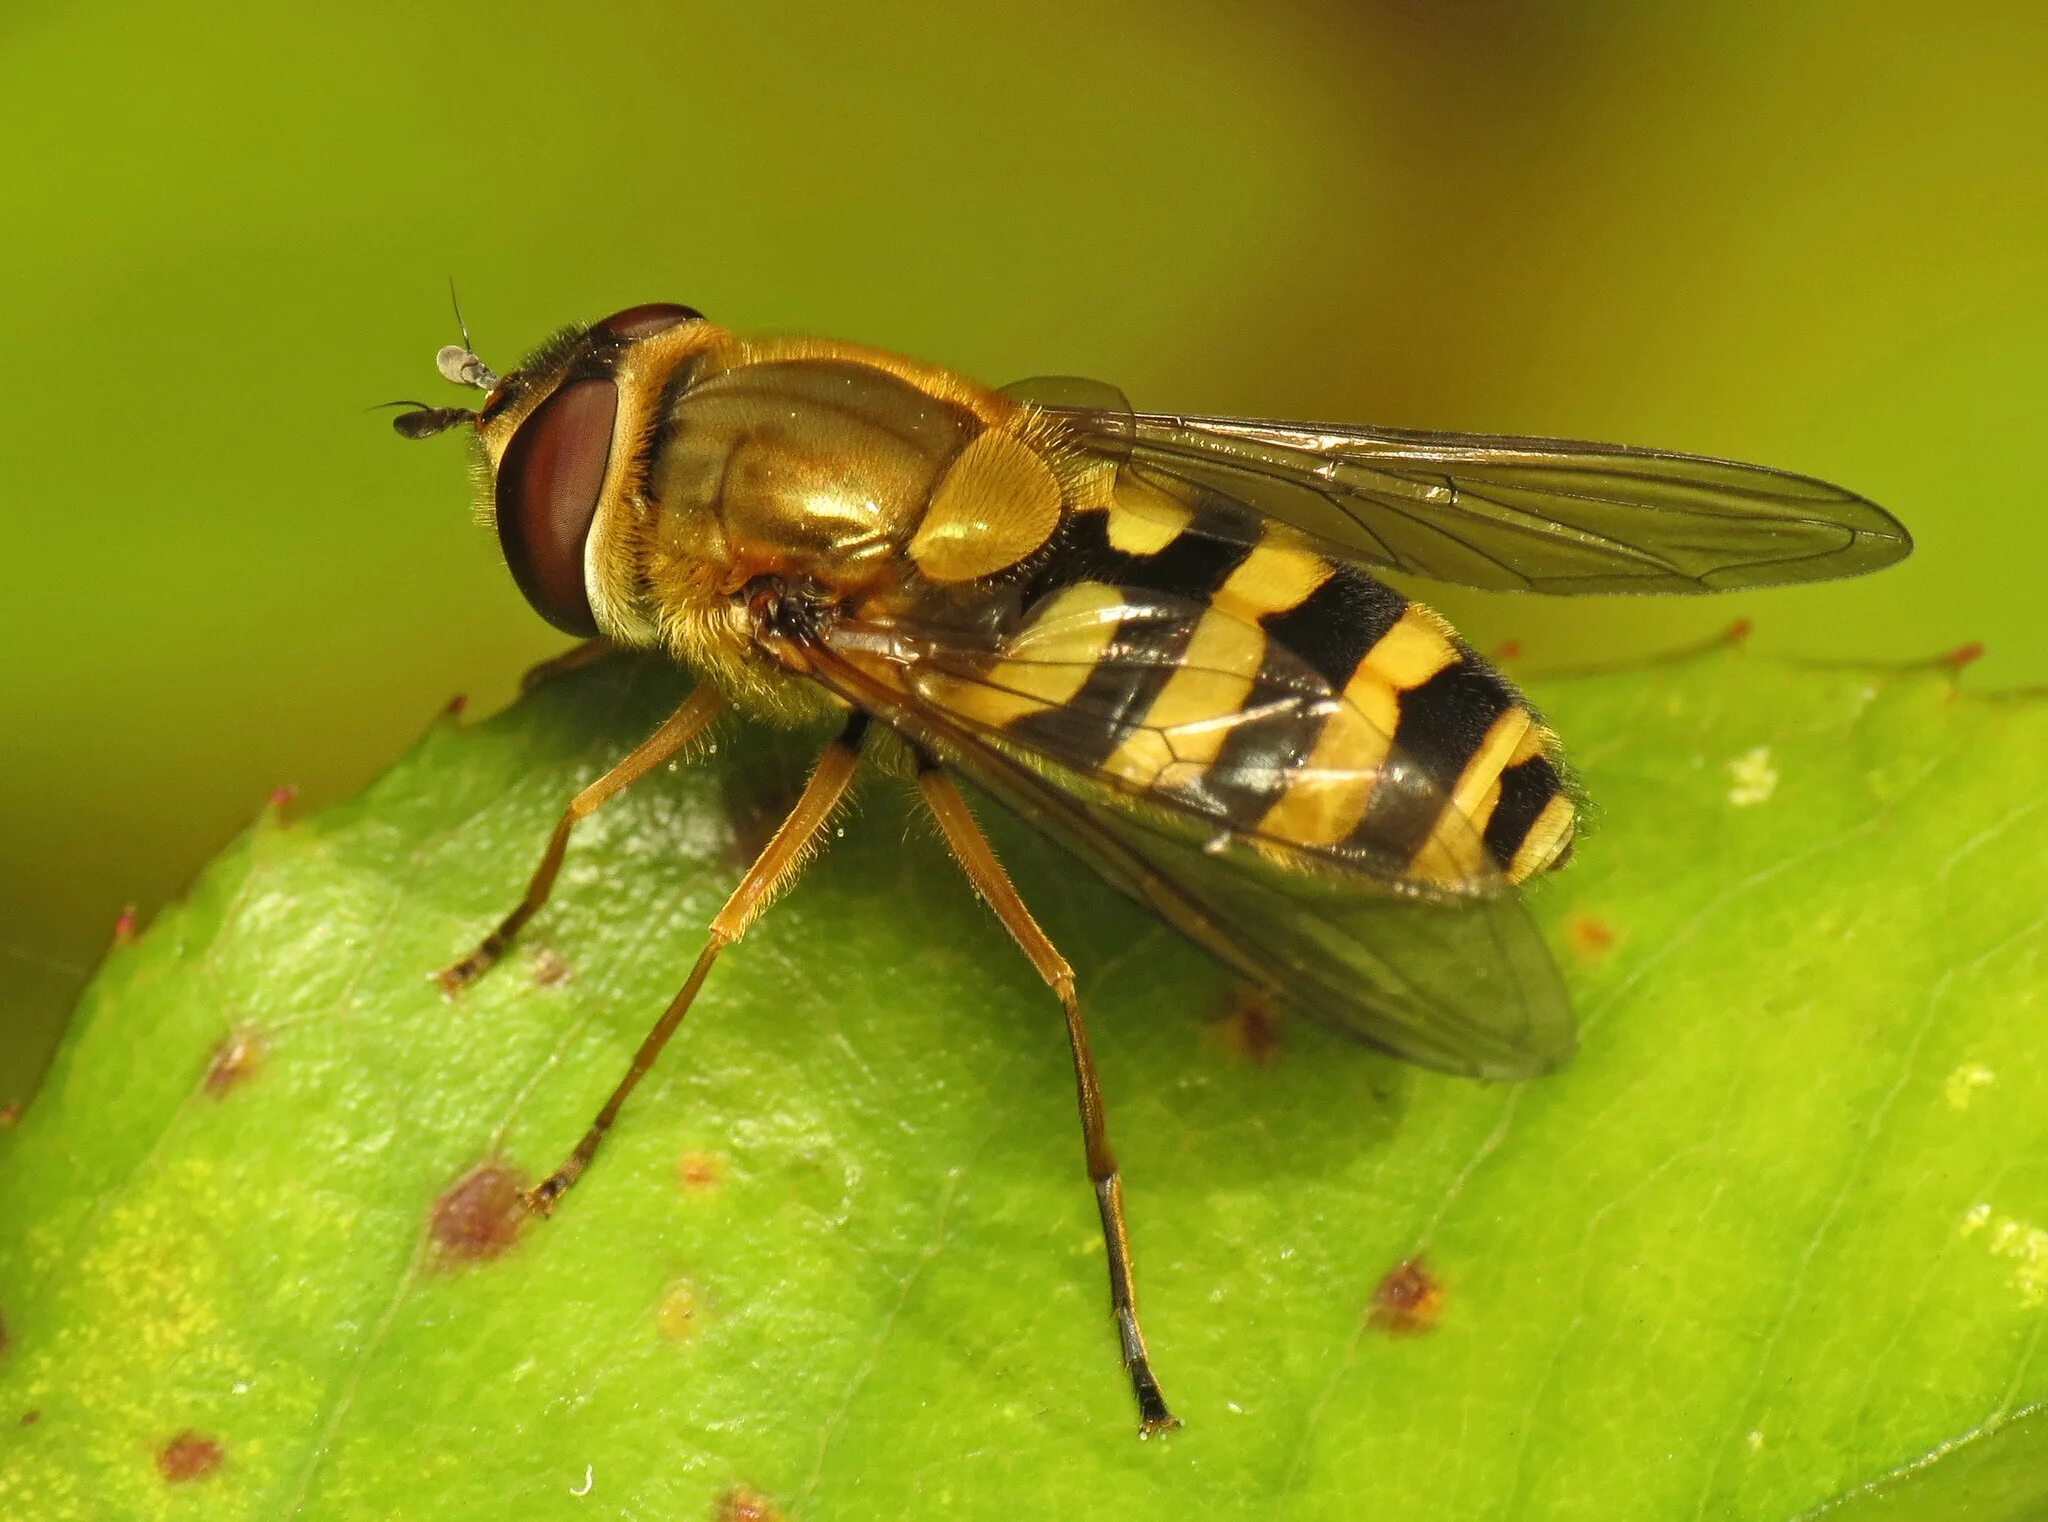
[1160, 639]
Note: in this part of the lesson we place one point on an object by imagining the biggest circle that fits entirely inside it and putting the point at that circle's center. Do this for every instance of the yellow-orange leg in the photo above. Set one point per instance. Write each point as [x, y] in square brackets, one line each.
[678, 730]
[575, 658]
[778, 862]
[970, 848]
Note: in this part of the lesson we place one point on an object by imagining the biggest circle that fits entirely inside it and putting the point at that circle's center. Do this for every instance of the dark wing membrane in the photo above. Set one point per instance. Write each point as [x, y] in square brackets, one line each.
[1162, 704]
[1465, 988]
[1506, 513]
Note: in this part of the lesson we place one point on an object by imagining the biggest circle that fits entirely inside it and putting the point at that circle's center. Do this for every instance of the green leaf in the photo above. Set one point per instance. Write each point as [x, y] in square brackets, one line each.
[1778, 1236]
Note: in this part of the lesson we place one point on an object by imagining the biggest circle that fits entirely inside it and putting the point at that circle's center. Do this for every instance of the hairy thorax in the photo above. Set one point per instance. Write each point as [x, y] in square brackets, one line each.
[812, 468]
[849, 478]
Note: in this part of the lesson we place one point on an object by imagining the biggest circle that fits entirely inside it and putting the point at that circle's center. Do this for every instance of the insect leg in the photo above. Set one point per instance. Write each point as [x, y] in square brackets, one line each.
[678, 730]
[970, 848]
[778, 862]
[575, 658]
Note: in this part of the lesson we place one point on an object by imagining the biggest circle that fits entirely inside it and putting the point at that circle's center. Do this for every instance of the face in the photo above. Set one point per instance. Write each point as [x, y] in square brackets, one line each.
[548, 431]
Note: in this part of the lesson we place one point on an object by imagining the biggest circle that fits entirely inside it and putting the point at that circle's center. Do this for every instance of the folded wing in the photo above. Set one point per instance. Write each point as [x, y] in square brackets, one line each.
[1062, 722]
[1502, 512]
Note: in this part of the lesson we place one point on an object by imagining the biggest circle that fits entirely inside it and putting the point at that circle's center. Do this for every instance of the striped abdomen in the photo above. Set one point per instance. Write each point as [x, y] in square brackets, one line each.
[1219, 664]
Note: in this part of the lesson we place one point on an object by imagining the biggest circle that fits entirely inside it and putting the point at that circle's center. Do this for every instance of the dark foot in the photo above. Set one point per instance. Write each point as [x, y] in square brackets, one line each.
[459, 975]
[542, 1198]
[1152, 1413]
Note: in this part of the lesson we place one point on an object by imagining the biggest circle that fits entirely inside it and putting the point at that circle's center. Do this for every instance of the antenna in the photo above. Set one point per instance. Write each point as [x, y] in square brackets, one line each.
[461, 327]
[458, 363]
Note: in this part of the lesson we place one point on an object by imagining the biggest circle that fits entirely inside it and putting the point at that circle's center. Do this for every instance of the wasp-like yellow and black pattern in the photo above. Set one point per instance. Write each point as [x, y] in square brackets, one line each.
[1225, 667]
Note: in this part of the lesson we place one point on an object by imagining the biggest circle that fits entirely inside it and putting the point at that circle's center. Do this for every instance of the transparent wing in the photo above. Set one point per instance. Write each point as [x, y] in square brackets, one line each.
[1466, 988]
[1164, 705]
[1500, 512]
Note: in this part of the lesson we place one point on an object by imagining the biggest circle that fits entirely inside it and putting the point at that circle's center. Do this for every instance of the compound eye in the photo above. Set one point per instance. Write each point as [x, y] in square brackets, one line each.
[549, 482]
[646, 321]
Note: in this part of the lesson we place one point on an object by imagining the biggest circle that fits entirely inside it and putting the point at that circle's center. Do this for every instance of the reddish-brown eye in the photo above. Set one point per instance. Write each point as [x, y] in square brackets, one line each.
[548, 485]
[646, 321]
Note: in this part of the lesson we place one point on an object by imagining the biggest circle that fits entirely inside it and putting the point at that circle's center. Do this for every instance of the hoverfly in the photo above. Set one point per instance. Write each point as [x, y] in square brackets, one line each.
[1160, 639]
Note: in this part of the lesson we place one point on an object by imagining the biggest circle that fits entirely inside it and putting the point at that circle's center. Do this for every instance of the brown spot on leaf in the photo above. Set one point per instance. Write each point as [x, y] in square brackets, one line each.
[548, 969]
[1407, 1302]
[10, 1113]
[234, 1061]
[124, 927]
[743, 1503]
[479, 1216]
[281, 797]
[188, 1456]
[676, 1313]
[3, 1339]
[1508, 650]
[454, 706]
[1738, 631]
[700, 1171]
[1590, 936]
[1250, 1027]
[30, 1418]
[1964, 655]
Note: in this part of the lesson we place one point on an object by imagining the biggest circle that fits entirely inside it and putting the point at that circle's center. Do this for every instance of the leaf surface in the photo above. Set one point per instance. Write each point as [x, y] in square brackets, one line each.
[1777, 1241]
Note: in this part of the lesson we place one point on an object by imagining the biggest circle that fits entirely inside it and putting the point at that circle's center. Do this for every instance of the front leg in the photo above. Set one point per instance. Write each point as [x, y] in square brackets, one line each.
[678, 730]
[779, 861]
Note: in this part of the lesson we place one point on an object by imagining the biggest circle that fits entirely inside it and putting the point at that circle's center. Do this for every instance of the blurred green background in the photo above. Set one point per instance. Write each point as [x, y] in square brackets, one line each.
[1806, 234]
